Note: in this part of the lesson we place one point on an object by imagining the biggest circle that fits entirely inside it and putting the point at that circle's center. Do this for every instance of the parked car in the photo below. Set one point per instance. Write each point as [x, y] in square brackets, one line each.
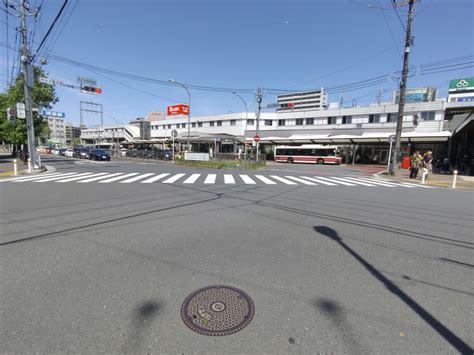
[99, 154]
[69, 153]
[165, 154]
[55, 151]
[81, 153]
[62, 151]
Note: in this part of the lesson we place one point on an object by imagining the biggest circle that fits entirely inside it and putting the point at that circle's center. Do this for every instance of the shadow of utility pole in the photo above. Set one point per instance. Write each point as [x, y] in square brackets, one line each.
[447, 334]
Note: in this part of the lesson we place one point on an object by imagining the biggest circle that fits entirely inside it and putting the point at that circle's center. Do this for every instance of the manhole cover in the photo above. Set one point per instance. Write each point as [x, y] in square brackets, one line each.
[217, 310]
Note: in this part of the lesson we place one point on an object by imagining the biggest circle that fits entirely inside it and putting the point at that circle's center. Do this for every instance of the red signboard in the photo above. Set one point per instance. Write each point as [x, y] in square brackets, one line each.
[178, 110]
[256, 138]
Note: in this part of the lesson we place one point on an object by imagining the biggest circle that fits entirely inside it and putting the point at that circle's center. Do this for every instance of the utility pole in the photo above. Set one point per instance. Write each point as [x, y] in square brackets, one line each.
[403, 85]
[28, 83]
[257, 115]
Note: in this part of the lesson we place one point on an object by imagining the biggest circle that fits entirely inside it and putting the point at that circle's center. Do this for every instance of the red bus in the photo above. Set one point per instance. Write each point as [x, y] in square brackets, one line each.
[310, 153]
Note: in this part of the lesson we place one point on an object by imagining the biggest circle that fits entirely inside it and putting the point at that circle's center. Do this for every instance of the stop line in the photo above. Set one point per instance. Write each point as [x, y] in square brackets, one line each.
[211, 179]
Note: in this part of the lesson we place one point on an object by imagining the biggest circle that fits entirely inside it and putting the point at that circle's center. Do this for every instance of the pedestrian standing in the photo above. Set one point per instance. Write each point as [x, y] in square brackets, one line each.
[428, 162]
[414, 165]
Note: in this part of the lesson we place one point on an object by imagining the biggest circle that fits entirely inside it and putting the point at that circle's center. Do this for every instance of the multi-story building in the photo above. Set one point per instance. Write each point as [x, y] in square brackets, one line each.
[57, 130]
[72, 132]
[311, 100]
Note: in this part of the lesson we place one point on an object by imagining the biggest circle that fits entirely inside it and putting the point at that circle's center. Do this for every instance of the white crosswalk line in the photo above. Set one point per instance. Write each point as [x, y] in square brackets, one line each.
[407, 184]
[136, 178]
[77, 177]
[229, 179]
[371, 181]
[173, 179]
[99, 177]
[117, 178]
[265, 180]
[351, 181]
[192, 179]
[283, 180]
[315, 179]
[338, 182]
[305, 182]
[27, 178]
[154, 178]
[210, 179]
[54, 178]
[247, 180]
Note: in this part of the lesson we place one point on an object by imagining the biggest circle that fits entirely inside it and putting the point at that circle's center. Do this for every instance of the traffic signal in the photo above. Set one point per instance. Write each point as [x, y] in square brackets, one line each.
[289, 104]
[91, 90]
[11, 114]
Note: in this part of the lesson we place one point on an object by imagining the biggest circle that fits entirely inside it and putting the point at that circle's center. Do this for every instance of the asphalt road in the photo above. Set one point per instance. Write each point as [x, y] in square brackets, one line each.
[102, 267]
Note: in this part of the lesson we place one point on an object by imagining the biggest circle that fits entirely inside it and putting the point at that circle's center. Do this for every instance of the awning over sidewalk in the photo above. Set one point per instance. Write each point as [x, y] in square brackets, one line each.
[381, 137]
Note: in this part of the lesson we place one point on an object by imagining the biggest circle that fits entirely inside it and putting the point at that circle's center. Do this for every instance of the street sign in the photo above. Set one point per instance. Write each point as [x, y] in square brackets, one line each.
[256, 138]
[174, 133]
[20, 110]
[86, 81]
[391, 139]
[178, 110]
[46, 113]
[461, 84]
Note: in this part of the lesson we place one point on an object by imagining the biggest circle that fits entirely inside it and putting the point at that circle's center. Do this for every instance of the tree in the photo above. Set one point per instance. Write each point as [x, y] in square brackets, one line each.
[43, 97]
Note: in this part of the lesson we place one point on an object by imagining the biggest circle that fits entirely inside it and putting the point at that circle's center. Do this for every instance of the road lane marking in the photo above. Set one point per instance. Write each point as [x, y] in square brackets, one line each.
[136, 178]
[265, 180]
[283, 180]
[229, 179]
[155, 178]
[117, 178]
[192, 179]
[173, 179]
[371, 181]
[56, 177]
[210, 179]
[301, 180]
[352, 181]
[416, 185]
[338, 182]
[26, 178]
[315, 179]
[247, 180]
[77, 177]
[99, 177]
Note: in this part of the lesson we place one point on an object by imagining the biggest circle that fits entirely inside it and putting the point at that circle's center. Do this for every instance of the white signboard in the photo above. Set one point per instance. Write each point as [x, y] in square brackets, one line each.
[196, 156]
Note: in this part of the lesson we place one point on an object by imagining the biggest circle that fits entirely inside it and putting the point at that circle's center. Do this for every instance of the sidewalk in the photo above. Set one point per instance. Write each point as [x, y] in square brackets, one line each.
[6, 166]
[439, 180]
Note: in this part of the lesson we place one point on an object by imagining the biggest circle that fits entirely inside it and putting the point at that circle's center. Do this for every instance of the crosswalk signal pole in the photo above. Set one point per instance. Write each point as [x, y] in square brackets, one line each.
[259, 101]
[403, 86]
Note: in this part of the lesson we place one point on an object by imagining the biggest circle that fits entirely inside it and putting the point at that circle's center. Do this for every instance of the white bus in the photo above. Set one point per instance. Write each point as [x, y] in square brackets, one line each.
[308, 153]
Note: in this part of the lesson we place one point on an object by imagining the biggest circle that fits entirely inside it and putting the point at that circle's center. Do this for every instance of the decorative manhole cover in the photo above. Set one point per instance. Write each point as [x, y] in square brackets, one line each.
[217, 310]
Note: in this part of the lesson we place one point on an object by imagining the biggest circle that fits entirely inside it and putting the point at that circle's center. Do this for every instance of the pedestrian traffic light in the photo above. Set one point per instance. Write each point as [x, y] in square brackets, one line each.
[11, 114]
[91, 90]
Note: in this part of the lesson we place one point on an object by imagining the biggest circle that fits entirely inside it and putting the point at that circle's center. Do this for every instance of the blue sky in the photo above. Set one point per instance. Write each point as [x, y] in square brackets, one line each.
[284, 44]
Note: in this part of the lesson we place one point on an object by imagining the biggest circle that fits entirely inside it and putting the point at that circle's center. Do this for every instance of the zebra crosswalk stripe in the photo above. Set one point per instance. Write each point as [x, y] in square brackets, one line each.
[210, 179]
[265, 180]
[76, 177]
[27, 178]
[99, 177]
[136, 178]
[375, 182]
[305, 182]
[338, 182]
[283, 180]
[54, 178]
[229, 179]
[353, 181]
[116, 178]
[247, 180]
[173, 179]
[155, 178]
[407, 184]
[192, 179]
[315, 179]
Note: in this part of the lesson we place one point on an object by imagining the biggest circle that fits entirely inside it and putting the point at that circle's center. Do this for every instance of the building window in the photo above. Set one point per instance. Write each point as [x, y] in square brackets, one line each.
[211, 123]
[250, 122]
[178, 125]
[310, 121]
[268, 122]
[232, 122]
[169, 126]
[199, 124]
[346, 119]
[219, 123]
[281, 122]
[374, 118]
[428, 116]
[332, 120]
[183, 125]
[391, 117]
[193, 124]
[164, 126]
[299, 122]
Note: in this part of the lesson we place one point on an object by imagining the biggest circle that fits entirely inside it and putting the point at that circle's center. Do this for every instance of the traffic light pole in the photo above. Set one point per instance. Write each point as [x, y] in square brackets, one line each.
[257, 127]
[403, 86]
[25, 62]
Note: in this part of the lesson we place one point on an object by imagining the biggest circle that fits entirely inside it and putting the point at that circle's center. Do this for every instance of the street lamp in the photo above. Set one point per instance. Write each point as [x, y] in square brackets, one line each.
[189, 109]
